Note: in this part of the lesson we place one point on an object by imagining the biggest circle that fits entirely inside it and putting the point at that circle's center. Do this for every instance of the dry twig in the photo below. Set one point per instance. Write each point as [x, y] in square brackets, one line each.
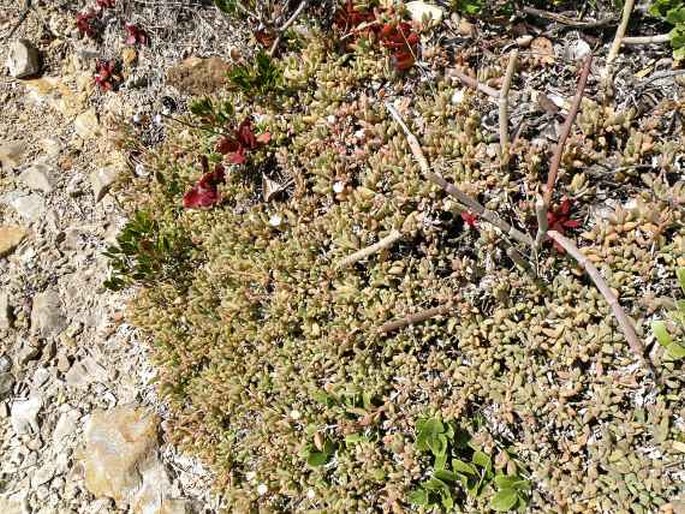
[620, 31]
[645, 40]
[473, 83]
[541, 215]
[386, 242]
[624, 322]
[504, 107]
[412, 319]
[566, 130]
[565, 20]
[286, 25]
[451, 189]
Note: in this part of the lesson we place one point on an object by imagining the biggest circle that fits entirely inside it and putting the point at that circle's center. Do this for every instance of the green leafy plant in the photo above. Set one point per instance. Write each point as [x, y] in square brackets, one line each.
[673, 12]
[458, 461]
[472, 7]
[147, 252]
[259, 78]
[674, 349]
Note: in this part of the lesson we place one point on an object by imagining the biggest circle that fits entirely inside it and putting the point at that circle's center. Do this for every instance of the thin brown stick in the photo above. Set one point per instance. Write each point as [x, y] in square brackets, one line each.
[504, 107]
[382, 244]
[413, 319]
[565, 20]
[451, 189]
[645, 40]
[286, 25]
[624, 322]
[541, 215]
[620, 31]
[566, 130]
[473, 83]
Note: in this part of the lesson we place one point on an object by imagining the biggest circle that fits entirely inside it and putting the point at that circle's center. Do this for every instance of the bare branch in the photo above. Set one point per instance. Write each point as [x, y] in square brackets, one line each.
[504, 107]
[624, 322]
[386, 242]
[620, 31]
[646, 40]
[473, 83]
[566, 130]
[286, 25]
[565, 20]
[541, 215]
[452, 190]
[412, 319]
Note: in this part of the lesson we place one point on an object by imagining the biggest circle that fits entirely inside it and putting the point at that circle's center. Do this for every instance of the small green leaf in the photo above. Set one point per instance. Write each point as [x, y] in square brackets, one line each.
[441, 461]
[459, 466]
[506, 481]
[355, 439]
[419, 497]
[680, 273]
[316, 459]
[438, 445]
[482, 459]
[445, 475]
[661, 334]
[504, 500]
[676, 351]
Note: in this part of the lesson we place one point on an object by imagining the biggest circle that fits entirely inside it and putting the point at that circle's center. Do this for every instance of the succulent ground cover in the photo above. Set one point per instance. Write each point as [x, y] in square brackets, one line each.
[519, 391]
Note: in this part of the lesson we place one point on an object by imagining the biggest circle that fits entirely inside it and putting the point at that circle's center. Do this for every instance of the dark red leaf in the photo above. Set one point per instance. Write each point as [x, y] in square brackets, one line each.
[205, 192]
[402, 42]
[245, 135]
[87, 24]
[105, 4]
[559, 219]
[242, 141]
[469, 218]
[226, 145]
[105, 75]
[136, 35]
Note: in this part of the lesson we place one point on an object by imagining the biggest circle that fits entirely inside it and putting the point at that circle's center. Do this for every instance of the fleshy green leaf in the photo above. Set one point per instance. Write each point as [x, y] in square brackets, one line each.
[661, 334]
[316, 459]
[676, 351]
[459, 466]
[419, 497]
[445, 475]
[504, 500]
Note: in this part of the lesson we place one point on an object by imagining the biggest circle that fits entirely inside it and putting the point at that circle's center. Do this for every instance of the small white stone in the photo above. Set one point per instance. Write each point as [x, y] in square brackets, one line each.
[24, 416]
[420, 11]
[262, 489]
[250, 476]
[295, 414]
[330, 119]
[275, 220]
[23, 59]
[458, 96]
[311, 494]
[338, 187]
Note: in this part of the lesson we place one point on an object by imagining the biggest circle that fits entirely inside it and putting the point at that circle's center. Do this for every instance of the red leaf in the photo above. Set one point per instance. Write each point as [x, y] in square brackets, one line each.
[86, 22]
[264, 138]
[136, 35]
[559, 219]
[242, 141]
[105, 76]
[226, 145]
[402, 42]
[245, 135]
[205, 192]
[238, 157]
[105, 4]
[469, 218]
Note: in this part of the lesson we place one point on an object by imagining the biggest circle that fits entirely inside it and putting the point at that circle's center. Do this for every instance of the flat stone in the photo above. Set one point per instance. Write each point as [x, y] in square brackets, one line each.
[66, 425]
[85, 372]
[101, 180]
[24, 415]
[10, 237]
[38, 177]
[23, 59]
[14, 504]
[196, 76]
[11, 154]
[117, 442]
[6, 384]
[422, 11]
[47, 319]
[28, 351]
[6, 317]
[43, 475]
[30, 207]
[86, 125]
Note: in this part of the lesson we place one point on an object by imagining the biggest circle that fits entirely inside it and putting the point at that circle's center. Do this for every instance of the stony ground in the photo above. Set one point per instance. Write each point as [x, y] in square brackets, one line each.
[76, 396]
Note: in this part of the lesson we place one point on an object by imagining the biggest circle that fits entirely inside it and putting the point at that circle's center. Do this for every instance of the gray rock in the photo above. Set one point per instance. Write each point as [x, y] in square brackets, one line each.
[40, 376]
[85, 372]
[28, 351]
[6, 384]
[47, 319]
[12, 154]
[23, 59]
[24, 415]
[38, 177]
[66, 425]
[43, 475]
[101, 180]
[5, 363]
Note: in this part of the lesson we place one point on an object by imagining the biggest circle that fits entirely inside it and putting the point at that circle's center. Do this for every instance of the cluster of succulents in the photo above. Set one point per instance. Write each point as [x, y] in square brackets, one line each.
[270, 355]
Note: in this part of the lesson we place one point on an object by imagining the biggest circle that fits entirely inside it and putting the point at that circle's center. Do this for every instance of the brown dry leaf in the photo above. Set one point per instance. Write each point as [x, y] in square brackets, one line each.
[542, 51]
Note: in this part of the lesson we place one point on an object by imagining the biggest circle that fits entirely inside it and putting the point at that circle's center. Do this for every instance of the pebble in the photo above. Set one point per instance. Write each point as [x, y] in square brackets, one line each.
[47, 319]
[101, 180]
[6, 317]
[66, 425]
[24, 415]
[30, 207]
[10, 237]
[6, 384]
[28, 351]
[11, 154]
[420, 11]
[23, 59]
[86, 125]
[38, 177]
[44, 474]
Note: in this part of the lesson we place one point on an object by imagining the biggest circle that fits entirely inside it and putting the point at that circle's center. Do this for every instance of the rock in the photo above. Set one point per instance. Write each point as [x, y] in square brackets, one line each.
[66, 425]
[195, 76]
[30, 207]
[46, 315]
[85, 372]
[576, 49]
[6, 384]
[28, 351]
[11, 155]
[38, 177]
[43, 475]
[23, 59]
[117, 442]
[14, 504]
[6, 314]
[86, 125]
[40, 376]
[420, 11]
[51, 146]
[151, 497]
[24, 415]
[10, 237]
[101, 180]
[5, 363]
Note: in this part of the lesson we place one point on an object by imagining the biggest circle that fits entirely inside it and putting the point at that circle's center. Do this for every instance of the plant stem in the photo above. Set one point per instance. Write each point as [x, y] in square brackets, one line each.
[286, 25]
[566, 130]
[565, 20]
[504, 108]
[541, 215]
[382, 244]
[412, 319]
[624, 322]
[620, 31]
[473, 83]
[646, 40]
[452, 190]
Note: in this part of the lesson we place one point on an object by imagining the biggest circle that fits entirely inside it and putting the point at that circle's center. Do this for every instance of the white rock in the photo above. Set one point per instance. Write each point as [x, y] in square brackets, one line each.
[66, 425]
[23, 59]
[101, 180]
[24, 415]
[86, 124]
[85, 372]
[14, 504]
[43, 475]
[5, 311]
[576, 50]
[458, 96]
[420, 11]
[30, 207]
[11, 154]
[38, 177]
[47, 319]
